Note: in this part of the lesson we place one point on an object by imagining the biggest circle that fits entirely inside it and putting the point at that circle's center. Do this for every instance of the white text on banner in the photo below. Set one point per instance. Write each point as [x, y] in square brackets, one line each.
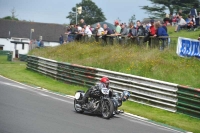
[188, 47]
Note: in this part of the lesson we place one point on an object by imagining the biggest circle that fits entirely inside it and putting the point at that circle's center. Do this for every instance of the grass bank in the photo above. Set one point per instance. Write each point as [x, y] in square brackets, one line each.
[137, 60]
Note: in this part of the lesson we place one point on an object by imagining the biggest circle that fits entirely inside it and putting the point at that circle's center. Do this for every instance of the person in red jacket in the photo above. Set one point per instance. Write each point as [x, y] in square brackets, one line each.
[152, 32]
[152, 29]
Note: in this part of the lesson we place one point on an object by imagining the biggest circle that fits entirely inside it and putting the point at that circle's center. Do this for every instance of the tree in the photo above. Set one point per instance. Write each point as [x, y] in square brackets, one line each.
[173, 6]
[90, 13]
[13, 17]
[131, 20]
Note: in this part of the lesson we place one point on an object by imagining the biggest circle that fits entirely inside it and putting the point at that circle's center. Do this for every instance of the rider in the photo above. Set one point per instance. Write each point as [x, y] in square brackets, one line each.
[104, 83]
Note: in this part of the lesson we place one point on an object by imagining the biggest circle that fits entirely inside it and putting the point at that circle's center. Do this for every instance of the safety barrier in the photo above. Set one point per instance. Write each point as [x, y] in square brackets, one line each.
[143, 90]
[3, 52]
[159, 94]
[188, 101]
[22, 57]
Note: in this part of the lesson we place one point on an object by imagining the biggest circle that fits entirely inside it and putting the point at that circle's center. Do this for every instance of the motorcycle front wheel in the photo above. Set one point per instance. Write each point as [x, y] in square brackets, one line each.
[107, 108]
[77, 107]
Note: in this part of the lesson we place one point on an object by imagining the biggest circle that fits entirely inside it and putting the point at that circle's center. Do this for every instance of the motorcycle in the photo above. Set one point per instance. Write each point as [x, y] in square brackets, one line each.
[101, 102]
[98, 102]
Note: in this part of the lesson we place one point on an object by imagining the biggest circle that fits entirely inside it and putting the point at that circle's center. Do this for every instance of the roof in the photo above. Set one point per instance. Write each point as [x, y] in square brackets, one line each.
[21, 29]
[17, 42]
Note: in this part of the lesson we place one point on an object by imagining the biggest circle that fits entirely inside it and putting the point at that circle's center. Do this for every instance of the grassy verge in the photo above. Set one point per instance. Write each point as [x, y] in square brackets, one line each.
[17, 71]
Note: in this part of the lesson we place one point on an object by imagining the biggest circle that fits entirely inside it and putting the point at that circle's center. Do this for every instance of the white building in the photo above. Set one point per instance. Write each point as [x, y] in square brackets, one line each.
[21, 32]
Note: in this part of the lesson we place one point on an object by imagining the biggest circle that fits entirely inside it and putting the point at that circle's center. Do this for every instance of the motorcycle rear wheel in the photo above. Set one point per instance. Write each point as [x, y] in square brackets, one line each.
[107, 109]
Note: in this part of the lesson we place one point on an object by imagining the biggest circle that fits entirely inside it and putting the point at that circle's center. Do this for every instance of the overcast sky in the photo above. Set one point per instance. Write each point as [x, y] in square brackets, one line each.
[55, 11]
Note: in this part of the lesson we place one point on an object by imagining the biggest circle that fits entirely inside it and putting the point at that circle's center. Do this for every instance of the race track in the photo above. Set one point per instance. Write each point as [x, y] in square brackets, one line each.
[25, 109]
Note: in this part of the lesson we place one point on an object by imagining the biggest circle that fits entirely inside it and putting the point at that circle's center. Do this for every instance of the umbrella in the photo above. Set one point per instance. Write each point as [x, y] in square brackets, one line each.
[111, 26]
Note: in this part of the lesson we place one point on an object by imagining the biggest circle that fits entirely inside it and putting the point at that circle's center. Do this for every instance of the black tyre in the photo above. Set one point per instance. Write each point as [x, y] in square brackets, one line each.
[77, 107]
[107, 108]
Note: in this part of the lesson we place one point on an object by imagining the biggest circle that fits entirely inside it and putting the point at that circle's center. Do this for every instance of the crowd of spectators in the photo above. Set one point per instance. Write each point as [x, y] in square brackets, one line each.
[191, 22]
[139, 32]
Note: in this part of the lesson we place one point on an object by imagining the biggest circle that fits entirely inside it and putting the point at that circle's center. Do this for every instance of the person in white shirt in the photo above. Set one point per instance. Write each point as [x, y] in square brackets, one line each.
[87, 30]
[181, 24]
[100, 30]
[79, 32]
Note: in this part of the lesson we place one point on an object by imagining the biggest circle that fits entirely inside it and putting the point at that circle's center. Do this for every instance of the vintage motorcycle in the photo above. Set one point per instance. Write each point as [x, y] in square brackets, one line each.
[100, 102]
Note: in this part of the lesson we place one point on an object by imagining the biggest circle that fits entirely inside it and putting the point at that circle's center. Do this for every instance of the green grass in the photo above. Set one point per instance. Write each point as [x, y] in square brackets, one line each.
[173, 119]
[17, 71]
[142, 61]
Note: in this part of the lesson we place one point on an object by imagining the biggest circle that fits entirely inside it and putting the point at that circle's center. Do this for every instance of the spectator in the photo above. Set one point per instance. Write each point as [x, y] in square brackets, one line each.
[118, 28]
[123, 30]
[181, 24]
[174, 20]
[148, 25]
[71, 33]
[161, 32]
[152, 31]
[123, 33]
[132, 31]
[195, 23]
[99, 32]
[166, 19]
[79, 32]
[180, 12]
[164, 26]
[140, 31]
[38, 43]
[193, 12]
[82, 23]
[188, 19]
[41, 43]
[61, 39]
[107, 31]
[87, 30]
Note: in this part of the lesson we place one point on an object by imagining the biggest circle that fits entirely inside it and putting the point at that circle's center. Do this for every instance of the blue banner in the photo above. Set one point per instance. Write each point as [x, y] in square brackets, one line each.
[188, 47]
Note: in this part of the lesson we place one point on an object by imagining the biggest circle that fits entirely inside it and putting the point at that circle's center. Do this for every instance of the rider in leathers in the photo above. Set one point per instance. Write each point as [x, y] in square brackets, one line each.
[116, 98]
[104, 83]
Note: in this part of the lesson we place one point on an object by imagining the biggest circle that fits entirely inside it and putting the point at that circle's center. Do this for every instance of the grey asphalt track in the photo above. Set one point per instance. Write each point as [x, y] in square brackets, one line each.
[27, 110]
